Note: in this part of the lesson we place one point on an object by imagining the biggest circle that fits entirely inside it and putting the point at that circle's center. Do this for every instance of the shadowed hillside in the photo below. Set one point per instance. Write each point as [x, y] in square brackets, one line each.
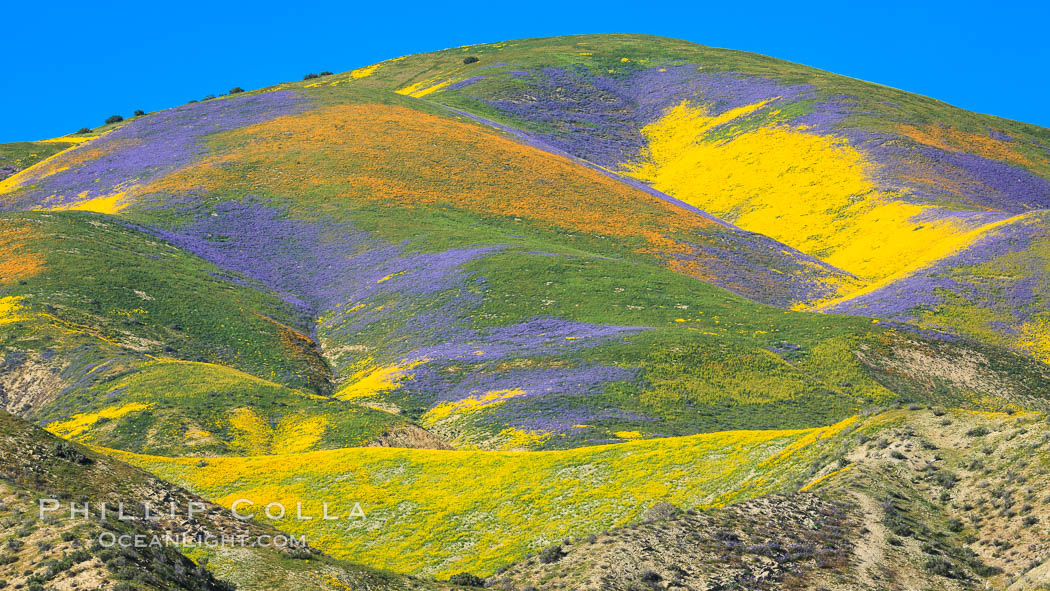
[65, 553]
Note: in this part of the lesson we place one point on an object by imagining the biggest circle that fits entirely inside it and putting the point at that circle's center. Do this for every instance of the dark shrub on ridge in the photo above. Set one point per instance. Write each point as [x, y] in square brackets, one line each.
[470, 60]
[466, 580]
[113, 119]
[551, 554]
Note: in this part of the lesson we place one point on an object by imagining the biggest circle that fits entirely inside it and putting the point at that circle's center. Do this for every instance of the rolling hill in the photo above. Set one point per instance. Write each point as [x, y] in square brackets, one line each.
[544, 286]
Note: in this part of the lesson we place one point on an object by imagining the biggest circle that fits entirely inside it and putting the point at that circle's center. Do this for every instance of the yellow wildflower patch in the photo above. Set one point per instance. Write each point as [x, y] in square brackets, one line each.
[417, 500]
[364, 72]
[1035, 338]
[514, 439]
[10, 306]
[298, 434]
[447, 409]
[810, 191]
[80, 423]
[372, 381]
[292, 434]
[110, 204]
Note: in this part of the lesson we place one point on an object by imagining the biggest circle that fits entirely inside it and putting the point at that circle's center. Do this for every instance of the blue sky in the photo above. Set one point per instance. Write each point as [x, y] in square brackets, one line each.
[71, 64]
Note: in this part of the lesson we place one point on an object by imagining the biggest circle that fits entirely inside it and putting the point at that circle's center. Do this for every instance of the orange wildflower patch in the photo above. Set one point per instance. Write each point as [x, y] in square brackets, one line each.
[955, 140]
[395, 155]
[17, 259]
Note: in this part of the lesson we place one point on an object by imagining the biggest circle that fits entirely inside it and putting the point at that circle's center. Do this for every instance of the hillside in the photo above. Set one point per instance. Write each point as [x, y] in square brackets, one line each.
[652, 298]
[926, 499]
[65, 553]
[945, 500]
[508, 294]
[892, 182]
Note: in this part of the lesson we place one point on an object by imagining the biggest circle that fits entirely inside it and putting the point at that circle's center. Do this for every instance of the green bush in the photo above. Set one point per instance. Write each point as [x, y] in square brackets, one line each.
[946, 479]
[466, 580]
[551, 554]
[470, 60]
[236, 90]
[939, 566]
[311, 76]
[113, 119]
[139, 112]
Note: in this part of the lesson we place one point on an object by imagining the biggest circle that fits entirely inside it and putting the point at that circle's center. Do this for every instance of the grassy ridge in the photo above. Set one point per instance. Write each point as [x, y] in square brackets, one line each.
[126, 288]
[441, 512]
[187, 408]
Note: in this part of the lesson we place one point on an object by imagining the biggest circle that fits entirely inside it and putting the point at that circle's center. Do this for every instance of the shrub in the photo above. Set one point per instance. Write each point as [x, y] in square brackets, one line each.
[466, 580]
[660, 511]
[650, 576]
[897, 455]
[68, 452]
[113, 119]
[1030, 521]
[208, 98]
[236, 90]
[940, 566]
[470, 59]
[139, 112]
[955, 525]
[311, 76]
[551, 554]
[946, 479]
[84, 130]
[983, 570]
[978, 431]
[325, 73]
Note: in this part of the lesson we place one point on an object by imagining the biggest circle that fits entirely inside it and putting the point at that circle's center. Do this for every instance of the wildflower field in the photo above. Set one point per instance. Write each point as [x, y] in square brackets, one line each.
[507, 294]
[467, 501]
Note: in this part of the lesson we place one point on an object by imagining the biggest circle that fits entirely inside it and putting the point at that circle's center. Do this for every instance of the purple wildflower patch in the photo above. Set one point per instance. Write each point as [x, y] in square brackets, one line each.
[146, 149]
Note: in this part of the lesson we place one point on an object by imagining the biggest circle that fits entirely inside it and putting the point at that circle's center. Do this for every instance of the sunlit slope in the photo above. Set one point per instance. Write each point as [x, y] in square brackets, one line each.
[870, 179]
[917, 479]
[86, 291]
[17, 156]
[185, 408]
[442, 512]
[358, 149]
[114, 337]
[926, 495]
[995, 290]
[499, 295]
